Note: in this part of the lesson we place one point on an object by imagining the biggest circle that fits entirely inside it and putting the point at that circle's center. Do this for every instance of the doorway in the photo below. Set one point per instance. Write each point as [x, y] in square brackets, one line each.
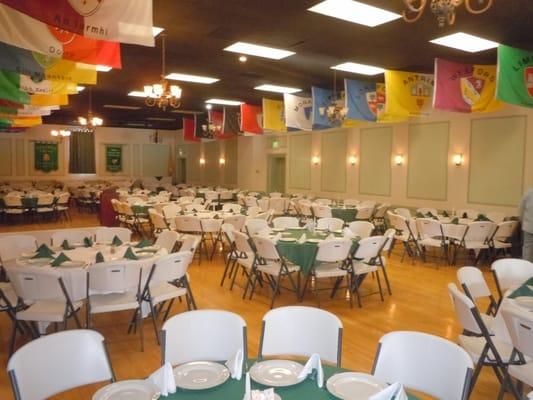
[276, 173]
[181, 170]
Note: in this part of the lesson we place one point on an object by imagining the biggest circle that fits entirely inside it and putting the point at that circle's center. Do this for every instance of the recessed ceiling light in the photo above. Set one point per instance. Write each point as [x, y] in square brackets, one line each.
[354, 11]
[157, 30]
[224, 102]
[103, 68]
[259, 51]
[80, 88]
[464, 41]
[243, 59]
[119, 107]
[277, 89]
[191, 78]
[208, 106]
[359, 68]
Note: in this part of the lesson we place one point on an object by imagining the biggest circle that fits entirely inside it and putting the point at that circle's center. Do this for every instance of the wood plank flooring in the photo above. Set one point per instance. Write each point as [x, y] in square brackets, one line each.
[419, 302]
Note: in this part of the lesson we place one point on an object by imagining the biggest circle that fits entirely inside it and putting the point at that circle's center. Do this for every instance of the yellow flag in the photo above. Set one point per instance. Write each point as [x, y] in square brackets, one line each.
[381, 102]
[25, 122]
[484, 100]
[69, 71]
[49, 99]
[273, 115]
[28, 85]
[409, 94]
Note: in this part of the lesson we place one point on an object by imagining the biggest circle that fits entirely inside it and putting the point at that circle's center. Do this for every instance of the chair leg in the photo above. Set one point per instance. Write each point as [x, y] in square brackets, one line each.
[12, 341]
[356, 288]
[139, 323]
[386, 279]
[275, 290]
[189, 292]
[154, 323]
[379, 286]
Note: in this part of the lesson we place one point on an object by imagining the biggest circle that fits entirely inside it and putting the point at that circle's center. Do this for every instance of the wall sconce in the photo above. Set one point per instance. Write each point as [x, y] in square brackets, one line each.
[398, 160]
[458, 159]
[315, 160]
[202, 161]
[222, 161]
[352, 160]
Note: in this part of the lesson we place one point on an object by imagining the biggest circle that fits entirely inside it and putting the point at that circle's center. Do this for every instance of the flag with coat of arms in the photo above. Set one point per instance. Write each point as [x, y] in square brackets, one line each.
[515, 76]
[409, 94]
[298, 111]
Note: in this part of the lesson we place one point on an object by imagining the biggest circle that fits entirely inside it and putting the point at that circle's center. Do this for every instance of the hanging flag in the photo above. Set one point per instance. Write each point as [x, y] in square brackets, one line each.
[21, 122]
[20, 30]
[361, 100]
[48, 99]
[322, 99]
[231, 121]
[298, 111]
[114, 20]
[216, 121]
[46, 156]
[41, 67]
[21, 112]
[201, 127]
[465, 87]
[251, 119]
[188, 130]
[273, 115]
[409, 94]
[515, 76]
[17, 88]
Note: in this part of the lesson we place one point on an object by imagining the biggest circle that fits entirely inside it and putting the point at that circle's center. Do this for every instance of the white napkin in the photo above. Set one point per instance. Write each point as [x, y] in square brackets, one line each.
[302, 239]
[234, 365]
[277, 237]
[312, 364]
[331, 236]
[163, 378]
[247, 388]
[394, 391]
[347, 233]
[267, 394]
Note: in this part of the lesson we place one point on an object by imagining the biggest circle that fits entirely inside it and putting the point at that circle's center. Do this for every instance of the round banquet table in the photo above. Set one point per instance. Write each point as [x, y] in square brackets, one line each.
[347, 214]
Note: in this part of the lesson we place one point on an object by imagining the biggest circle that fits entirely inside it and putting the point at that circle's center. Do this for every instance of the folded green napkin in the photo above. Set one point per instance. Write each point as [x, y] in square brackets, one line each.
[116, 241]
[455, 221]
[194, 210]
[522, 291]
[216, 216]
[420, 215]
[66, 246]
[243, 211]
[182, 212]
[465, 215]
[482, 217]
[143, 243]
[43, 251]
[99, 258]
[130, 255]
[445, 213]
[430, 215]
[60, 259]
[88, 242]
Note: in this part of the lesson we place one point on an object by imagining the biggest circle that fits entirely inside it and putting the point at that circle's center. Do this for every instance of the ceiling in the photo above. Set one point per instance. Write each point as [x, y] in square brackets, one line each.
[198, 30]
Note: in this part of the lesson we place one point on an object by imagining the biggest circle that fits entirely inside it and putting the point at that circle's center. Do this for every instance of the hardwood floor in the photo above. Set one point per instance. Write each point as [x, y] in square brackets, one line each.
[419, 302]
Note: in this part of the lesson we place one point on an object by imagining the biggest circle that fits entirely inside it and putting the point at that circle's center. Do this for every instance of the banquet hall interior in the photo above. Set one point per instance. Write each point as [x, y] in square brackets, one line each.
[275, 199]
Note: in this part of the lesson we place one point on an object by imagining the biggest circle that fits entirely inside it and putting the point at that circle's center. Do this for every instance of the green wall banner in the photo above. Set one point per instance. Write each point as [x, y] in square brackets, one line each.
[46, 157]
[114, 158]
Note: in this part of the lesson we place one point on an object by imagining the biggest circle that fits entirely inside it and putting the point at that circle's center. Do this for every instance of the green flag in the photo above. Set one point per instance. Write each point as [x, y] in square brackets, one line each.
[46, 158]
[515, 76]
[10, 84]
[113, 158]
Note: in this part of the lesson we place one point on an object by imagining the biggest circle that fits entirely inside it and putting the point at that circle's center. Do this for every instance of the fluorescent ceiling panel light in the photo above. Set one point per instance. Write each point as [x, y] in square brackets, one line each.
[157, 30]
[464, 41]
[224, 102]
[136, 124]
[119, 107]
[359, 68]
[258, 50]
[187, 112]
[103, 68]
[161, 119]
[354, 11]
[80, 88]
[191, 78]
[277, 89]
[138, 93]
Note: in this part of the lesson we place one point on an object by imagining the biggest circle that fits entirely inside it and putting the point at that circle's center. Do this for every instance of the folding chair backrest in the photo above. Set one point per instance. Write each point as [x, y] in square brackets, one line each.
[389, 237]
[35, 284]
[157, 220]
[188, 223]
[364, 212]
[278, 204]
[45, 199]
[511, 272]
[321, 211]
[404, 212]
[330, 223]
[105, 234]
[195, 207]
[479, 231]
[167, 240]
[363, 229]
[496, 216]
[302, 331]
[275, 195]
[369, 248]
[232, 207]
[12, 247]
[504, 230]
[426, 363]
[256, 225]
[334, 250]
[236, 220]
[72, 235]
[285, 222]
[78, 357]
[114, 277]
[454, 231]
[473, 279]
[242, 243]
[13, 201]
[519, 323]
[250, 201]
[428, 228]
[190, 243]
[211, 225]
[171, 267]
[464, 309]
[171, 210]
[203, 335]
[266, 248]
[381, 210]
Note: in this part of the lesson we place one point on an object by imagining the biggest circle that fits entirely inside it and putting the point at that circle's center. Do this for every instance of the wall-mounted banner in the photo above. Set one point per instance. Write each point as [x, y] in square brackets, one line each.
[274, 115]
[251, 119]
[114, 20]
[188, 130]
[113, 158]
[465, 87]
[409, 94]
[515, 76]
[298, 111]
[46, 156]
[20, 30]
[361, 100]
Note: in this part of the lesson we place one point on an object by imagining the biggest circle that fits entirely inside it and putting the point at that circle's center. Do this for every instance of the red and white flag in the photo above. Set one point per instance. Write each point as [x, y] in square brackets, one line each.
[23, 31]
[189, 127]
[113, 20]
[251, 119]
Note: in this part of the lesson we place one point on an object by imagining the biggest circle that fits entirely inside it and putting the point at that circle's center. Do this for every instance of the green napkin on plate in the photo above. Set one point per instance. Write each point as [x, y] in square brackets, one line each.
[99, 258]
[420, 215]
[522, 291]
[455, 221]
[130, 255]
[43, 251]
[216, 216]
[87, 242]
[143, 243]
[116, 241]
[194, 210]
[66, 246]
[481, 217]
[465, 215]
[445, 214]
[60, 259]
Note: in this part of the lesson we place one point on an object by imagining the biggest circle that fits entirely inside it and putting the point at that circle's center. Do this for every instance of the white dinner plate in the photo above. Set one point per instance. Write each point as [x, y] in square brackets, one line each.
[73, 264]
[337, 231]
[314, 240]
[143, 254]
[134, 389]
[296, 228]
[276, 373]
[28, 254]
[525, 301]
[39, 261]
[200, 375]
[278, 229]
[354, 385]
[287, 239]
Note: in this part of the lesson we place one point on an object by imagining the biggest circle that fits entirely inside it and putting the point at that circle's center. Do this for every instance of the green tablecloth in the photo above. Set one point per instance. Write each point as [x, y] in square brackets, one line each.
[234, 390]
[141, 210]
[346, 214]
[29, 202]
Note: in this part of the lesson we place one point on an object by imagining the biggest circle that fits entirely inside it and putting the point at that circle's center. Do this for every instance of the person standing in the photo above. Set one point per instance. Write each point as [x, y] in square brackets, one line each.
[526, 217]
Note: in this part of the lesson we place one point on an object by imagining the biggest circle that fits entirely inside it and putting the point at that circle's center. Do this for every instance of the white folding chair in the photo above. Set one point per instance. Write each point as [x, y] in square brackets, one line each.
[189, 336]
[405, 233]
[71, 235]
[279, 205]
[477, 237]
[167, 240]
[378, 219]
[285, 222]
[232, 207]
[301, 331]
[500, 240]
[237, 221]
[431, 235]
[475, 287]
[211, 229]
[321, 211]
[255, 226]
[510, 272]
[426, 363]
[12, 247]
[330, 223]
[365, 261]
[363, 229]
[190, 224]
[170, 211]
[79, 357]
[158, 222]
[364, 213]
[244, 258]
[404, 212]
[106, 235]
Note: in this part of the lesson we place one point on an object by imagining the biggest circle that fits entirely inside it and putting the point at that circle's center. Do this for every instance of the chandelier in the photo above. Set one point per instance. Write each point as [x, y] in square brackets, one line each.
[444, 10]
[162, 94]
[336, 110]
[211, 128]
[91, 121]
